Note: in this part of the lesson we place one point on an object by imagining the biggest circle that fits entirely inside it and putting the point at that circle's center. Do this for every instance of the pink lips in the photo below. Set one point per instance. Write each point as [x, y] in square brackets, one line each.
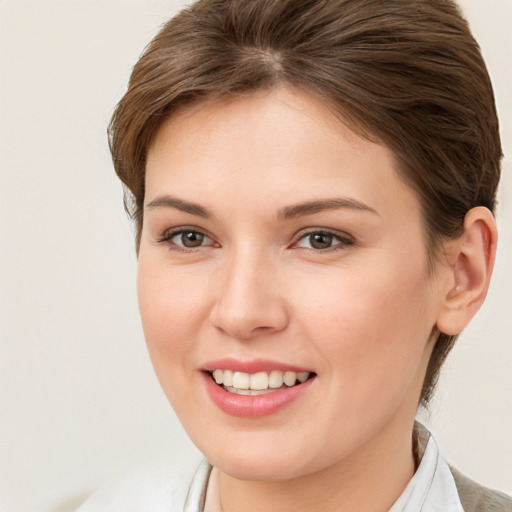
[254, 366]
[252, 406]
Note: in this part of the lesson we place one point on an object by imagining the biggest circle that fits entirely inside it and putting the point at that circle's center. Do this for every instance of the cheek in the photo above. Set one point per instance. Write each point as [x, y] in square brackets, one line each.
[361, 301]
[370, 328]
[169, 297]
[172, 310]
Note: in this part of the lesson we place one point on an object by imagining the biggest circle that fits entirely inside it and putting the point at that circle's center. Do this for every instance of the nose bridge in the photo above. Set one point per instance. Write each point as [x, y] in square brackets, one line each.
[248, 302]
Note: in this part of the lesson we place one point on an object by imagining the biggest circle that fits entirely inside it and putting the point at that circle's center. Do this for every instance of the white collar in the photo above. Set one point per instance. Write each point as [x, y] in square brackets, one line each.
[431, 489]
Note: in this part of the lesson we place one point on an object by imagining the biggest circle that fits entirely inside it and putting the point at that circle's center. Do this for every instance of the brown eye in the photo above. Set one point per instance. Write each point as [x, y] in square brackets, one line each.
[190, 239]
[323, 240]
[320, 240]
[183, 239]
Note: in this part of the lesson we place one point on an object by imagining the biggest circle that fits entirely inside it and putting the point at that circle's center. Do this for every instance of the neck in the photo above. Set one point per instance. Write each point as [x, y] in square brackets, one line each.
[370, 479]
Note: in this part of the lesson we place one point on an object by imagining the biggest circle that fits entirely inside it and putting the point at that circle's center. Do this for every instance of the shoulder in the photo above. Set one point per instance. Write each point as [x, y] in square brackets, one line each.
[477, 498]
[159, 488]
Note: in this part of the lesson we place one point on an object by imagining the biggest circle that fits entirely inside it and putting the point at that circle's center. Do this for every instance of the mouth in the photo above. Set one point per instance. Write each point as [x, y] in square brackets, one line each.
[256, 388]
[259, 383]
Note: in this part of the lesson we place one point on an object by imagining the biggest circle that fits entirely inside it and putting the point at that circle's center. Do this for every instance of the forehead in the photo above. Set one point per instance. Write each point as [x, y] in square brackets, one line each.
[282, 144]
[272, 109]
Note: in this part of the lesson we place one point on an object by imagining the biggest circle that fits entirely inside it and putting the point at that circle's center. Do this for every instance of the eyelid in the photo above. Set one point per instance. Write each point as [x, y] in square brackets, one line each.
[167, 236]
[343, 238]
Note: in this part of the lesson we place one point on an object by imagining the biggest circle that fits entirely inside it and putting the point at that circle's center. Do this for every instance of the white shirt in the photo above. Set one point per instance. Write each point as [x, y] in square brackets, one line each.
[431, 489]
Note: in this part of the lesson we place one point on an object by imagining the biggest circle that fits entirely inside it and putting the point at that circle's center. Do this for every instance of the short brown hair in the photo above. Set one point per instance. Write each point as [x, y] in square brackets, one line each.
[407, 73]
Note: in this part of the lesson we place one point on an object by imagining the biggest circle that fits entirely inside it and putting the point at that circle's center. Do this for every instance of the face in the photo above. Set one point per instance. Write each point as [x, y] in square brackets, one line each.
[277, 244]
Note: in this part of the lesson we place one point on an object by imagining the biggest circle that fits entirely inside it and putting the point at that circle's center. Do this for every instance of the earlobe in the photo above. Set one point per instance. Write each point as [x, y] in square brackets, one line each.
[471, 259]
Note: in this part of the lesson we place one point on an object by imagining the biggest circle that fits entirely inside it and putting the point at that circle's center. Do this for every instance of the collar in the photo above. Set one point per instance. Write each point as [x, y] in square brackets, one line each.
[431, 489]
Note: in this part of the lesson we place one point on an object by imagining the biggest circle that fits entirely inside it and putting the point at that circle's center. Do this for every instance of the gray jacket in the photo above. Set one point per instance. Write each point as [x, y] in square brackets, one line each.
[477, 498]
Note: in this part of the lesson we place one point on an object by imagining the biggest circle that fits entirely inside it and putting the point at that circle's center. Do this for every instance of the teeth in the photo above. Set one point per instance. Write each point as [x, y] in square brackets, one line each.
[289, 378]
[259, 381]
[275, 379]
[251, 384]
[227, 378]
[241, 380]
[302, 376]
[252, 392]
[217, 375]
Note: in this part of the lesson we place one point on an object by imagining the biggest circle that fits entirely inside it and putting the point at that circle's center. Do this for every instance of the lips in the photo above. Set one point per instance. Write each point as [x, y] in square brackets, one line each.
[252, 366]
[254, 388]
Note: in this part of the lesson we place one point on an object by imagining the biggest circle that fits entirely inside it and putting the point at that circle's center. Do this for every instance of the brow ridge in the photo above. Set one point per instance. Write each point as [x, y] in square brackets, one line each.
[312, 207]
[167, 201]
[286, 213]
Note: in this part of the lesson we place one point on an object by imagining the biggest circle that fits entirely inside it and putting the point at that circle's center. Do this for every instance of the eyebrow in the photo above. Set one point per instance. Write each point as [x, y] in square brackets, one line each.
[180, 204]
[312, 207]
[286, 213]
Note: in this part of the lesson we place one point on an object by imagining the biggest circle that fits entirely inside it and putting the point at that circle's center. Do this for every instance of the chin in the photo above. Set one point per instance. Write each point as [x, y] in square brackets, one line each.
[270, 469]
[270, 460]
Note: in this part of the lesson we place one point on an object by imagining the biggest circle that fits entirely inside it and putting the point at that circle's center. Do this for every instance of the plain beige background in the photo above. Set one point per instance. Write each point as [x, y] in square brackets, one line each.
[78, 399]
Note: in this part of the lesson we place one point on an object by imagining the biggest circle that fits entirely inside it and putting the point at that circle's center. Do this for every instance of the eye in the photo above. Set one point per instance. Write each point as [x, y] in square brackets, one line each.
[322, 240]
[184, 238]
[189, 239]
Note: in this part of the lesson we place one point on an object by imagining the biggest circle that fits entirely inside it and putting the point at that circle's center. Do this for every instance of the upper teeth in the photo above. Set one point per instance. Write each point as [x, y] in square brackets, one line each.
[258, 381]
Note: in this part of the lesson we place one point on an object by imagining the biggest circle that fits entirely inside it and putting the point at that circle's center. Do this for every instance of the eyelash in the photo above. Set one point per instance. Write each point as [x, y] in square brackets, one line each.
[343, 240]
[167, 237]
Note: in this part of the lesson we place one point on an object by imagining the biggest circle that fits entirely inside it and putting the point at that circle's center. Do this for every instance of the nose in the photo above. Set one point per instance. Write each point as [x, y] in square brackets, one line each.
[250, 301]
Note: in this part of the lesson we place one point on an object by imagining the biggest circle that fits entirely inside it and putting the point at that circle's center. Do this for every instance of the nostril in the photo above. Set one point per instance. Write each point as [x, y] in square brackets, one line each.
[243, 332]
[263, 329]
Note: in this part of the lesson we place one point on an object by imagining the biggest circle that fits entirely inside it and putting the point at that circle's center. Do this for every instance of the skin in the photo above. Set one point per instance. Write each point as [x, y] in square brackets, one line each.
[362, 314]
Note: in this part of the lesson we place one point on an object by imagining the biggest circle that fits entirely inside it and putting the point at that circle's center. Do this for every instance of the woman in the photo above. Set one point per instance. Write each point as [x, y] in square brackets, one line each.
[312, 185]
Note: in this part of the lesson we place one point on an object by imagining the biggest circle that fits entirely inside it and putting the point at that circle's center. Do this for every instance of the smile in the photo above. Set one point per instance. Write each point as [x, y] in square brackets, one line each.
[255, 389]
[259, 383]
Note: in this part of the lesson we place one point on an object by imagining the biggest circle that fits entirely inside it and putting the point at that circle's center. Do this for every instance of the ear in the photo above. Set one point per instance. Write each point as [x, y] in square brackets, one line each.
[471, 260]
